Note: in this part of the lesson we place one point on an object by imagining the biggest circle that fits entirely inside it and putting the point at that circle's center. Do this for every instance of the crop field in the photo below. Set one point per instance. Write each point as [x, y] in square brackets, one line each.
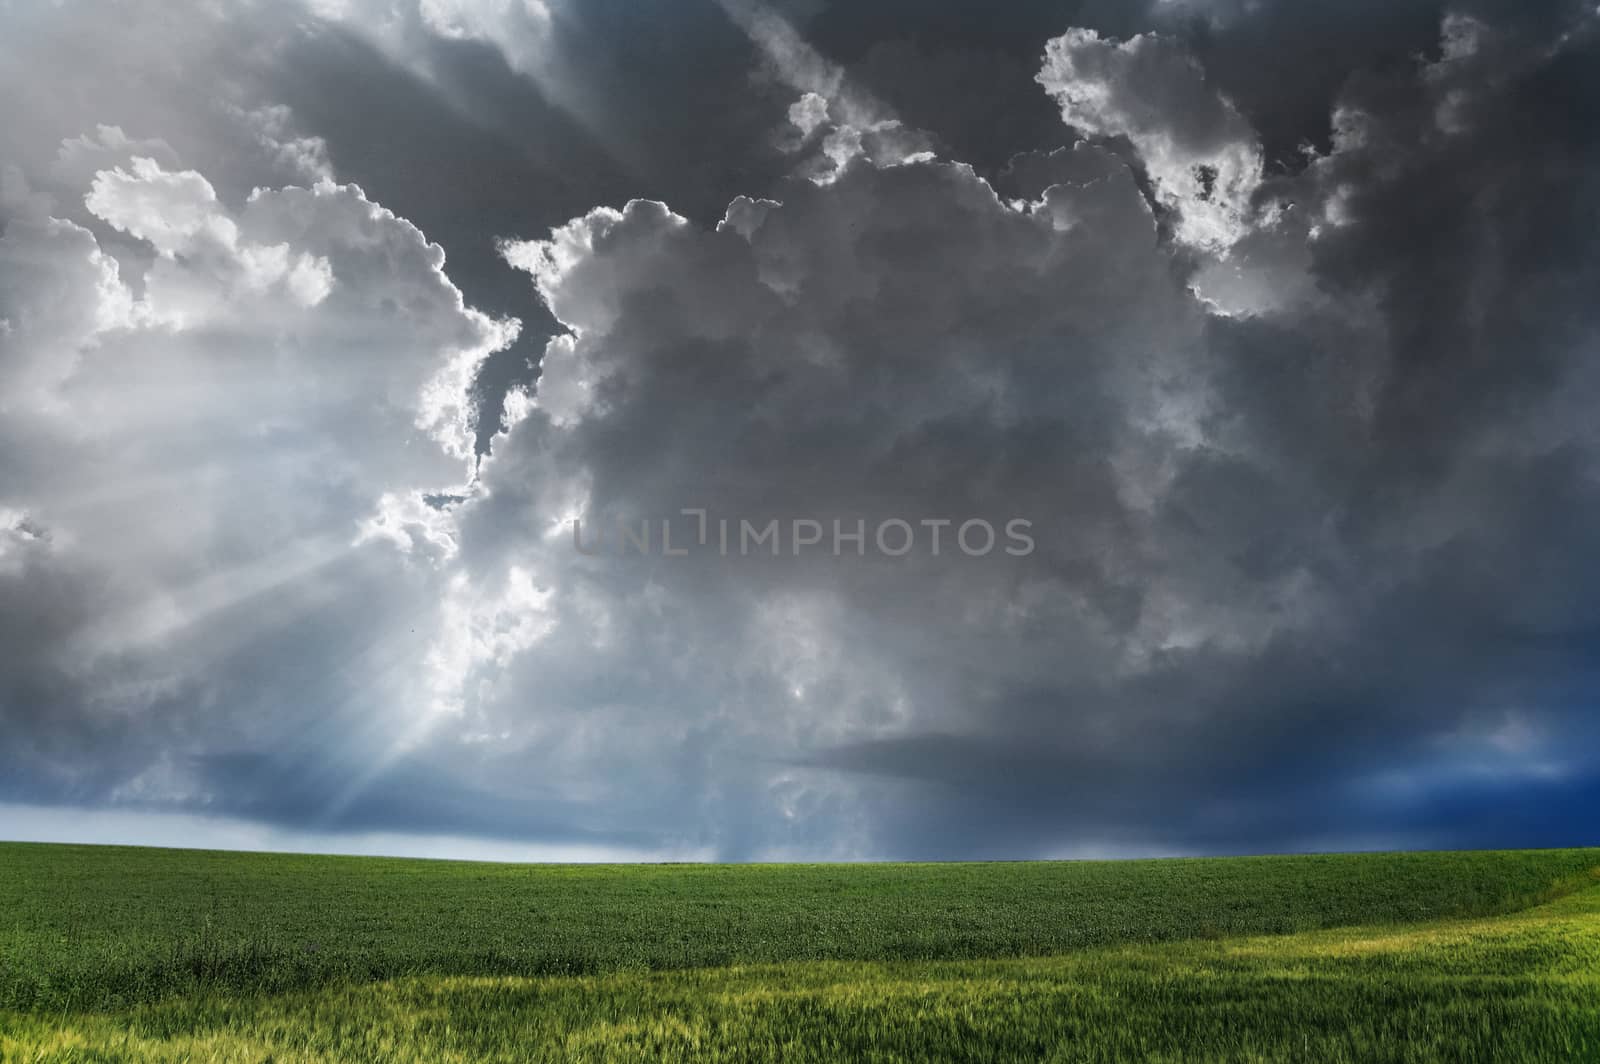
[111, 954]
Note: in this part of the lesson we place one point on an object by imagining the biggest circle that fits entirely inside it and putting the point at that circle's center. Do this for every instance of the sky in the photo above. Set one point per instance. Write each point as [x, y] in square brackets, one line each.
[751, 430]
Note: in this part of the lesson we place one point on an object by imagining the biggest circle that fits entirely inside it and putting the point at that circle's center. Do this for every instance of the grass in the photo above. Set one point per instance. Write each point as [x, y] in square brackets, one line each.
[166, 955]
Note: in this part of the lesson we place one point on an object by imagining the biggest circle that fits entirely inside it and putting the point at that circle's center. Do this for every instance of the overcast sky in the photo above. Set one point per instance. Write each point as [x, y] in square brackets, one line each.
[1264, 336]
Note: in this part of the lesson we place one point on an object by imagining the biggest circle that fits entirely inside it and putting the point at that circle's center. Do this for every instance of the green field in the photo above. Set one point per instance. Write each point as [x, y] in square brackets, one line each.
[110, 954]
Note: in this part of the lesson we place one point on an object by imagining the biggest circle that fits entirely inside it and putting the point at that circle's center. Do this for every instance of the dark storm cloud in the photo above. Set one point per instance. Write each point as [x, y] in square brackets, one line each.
[1346, 584]
[1452, 515]
[1305, 437]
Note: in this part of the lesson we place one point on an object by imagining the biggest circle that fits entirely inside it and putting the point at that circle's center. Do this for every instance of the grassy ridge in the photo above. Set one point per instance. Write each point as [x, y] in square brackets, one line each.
[1519, 988]
[92, 928]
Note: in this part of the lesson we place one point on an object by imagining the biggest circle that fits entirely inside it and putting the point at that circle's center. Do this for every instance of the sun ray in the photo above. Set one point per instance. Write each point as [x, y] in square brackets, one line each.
[159, 618]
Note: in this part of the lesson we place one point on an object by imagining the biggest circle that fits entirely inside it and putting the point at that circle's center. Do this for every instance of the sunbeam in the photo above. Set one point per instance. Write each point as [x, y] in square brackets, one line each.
[165, 615]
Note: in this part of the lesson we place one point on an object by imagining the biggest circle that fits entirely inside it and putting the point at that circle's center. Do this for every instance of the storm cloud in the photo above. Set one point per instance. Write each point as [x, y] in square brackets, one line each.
[1276, 327]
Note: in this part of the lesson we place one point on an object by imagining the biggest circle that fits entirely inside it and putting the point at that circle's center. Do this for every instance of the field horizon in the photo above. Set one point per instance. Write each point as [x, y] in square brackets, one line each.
[836, 862]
